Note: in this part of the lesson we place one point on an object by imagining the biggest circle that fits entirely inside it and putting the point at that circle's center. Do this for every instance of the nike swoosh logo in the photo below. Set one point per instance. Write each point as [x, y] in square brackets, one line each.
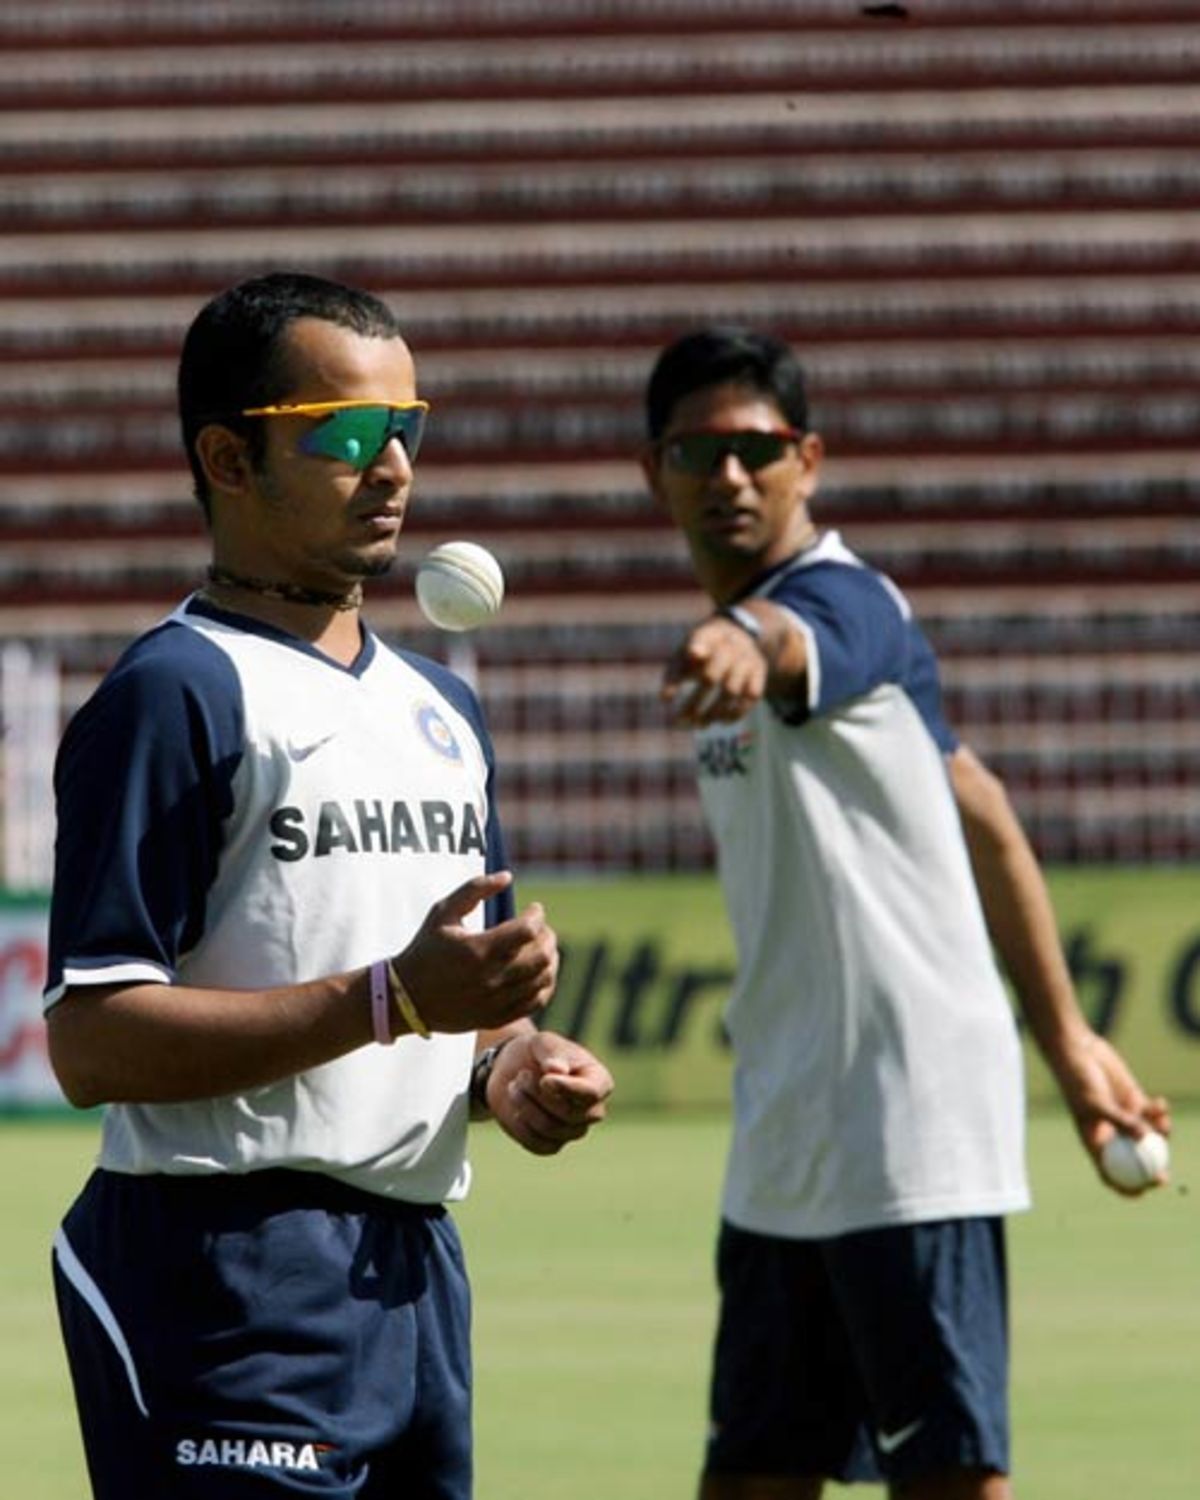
[890, 1441]
[302, 752]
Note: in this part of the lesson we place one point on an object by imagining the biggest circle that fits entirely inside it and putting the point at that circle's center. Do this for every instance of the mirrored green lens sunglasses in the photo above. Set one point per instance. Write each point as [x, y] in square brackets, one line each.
[354, 432]
[701, 452]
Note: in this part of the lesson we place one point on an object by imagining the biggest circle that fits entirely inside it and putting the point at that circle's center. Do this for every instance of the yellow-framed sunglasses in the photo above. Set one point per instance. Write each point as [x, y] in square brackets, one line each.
[354, 432]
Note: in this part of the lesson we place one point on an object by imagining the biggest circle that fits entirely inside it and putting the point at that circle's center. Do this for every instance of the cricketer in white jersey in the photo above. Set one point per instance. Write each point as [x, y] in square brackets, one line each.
[275, 817]
[879, 1074]
[868, 861]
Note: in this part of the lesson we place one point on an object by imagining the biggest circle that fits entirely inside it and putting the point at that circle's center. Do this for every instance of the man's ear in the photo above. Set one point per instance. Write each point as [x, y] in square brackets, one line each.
[649, 461]
[812, 449]
[812, 454]
[224, 457]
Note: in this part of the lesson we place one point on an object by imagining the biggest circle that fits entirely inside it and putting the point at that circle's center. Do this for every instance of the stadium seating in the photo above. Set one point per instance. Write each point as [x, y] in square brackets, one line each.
[984, 236]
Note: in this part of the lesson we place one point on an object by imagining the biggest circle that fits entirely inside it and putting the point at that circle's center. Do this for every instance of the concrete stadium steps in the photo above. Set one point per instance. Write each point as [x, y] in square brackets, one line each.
[200, 22]
[1148, 321]
[984, 237]
[606, 190]
[495, 496]
[559, 376]
[569, 64]
[709, 127]
[1102, 692]
[760, 263]
[650, 557]
[552, 398]
[606, 316]
[930, 427]
[1046, 384]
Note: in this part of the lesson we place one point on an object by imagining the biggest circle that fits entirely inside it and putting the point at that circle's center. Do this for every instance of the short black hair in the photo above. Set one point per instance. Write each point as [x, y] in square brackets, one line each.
[717, 354]
[234, 353]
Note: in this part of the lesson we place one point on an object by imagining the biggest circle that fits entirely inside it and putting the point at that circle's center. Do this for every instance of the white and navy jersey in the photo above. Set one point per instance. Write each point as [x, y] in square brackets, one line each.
[878, 1072]
[237, 810]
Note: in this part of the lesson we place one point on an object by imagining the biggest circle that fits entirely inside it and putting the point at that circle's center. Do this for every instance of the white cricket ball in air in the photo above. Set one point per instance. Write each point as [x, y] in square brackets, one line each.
[459, 586]
[1135, 1164]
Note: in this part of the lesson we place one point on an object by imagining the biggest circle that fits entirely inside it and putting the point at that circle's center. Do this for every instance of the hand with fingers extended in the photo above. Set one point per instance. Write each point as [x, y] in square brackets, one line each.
[546, 1091]
[460, 979]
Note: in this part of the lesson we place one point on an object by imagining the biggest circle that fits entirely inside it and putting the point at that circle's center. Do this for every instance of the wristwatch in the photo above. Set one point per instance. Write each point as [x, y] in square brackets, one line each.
[481, 1071]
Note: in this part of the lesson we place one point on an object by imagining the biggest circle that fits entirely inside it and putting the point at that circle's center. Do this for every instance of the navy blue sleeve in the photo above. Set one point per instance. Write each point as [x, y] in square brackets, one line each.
[863, 636]
[143, 784]
[924, 687]
[453, 688]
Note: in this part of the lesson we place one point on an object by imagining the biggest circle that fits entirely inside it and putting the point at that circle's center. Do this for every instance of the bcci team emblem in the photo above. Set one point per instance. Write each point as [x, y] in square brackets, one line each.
[437, 733]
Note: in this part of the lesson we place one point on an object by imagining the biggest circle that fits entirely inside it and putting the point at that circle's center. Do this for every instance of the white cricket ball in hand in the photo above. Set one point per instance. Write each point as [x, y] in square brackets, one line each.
[1135, 1164]
[459, 586]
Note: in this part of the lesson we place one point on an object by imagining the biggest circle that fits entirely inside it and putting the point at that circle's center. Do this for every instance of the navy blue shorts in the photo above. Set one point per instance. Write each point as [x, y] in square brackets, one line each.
[876, 1355]
[268, 1334]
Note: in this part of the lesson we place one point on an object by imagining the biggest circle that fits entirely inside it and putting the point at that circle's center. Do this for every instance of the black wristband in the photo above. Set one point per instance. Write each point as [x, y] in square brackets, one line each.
[748, 621]
[481, 1071]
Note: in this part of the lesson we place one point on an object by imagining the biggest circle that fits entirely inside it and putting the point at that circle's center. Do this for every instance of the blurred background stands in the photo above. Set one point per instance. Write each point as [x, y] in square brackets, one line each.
[984, 238]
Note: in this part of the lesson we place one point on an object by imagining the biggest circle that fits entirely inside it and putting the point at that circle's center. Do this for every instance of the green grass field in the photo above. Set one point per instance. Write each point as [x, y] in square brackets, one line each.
[594, 1307]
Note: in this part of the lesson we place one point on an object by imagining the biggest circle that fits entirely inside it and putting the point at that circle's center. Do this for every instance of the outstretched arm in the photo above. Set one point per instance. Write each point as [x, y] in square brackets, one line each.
[1100, 1090]
[721, 669]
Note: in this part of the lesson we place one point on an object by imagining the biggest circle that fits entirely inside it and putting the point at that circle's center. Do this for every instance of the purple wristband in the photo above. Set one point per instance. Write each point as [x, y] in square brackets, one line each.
[381, 1004]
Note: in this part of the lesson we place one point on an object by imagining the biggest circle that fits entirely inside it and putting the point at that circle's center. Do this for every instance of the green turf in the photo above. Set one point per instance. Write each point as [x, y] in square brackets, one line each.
[594, 1307]
[41, 1165]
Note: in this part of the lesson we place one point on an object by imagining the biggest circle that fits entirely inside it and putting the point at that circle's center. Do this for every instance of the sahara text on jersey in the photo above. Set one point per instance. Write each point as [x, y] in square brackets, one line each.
[372, 828]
